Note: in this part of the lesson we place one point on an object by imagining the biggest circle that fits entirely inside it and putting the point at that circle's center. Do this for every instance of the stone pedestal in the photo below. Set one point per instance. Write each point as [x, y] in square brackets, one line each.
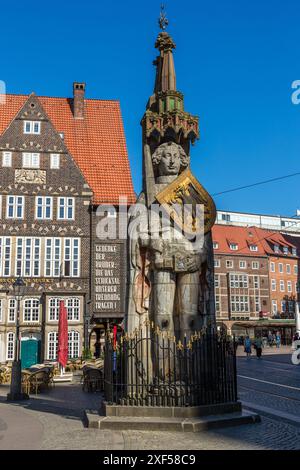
[183, 419]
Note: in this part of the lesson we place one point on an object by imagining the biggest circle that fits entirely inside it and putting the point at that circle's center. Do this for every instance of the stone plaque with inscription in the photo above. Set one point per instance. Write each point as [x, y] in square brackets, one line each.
[109, 278]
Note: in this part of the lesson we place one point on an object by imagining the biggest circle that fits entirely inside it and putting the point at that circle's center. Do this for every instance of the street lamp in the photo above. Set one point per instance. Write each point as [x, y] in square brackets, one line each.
[16, 371]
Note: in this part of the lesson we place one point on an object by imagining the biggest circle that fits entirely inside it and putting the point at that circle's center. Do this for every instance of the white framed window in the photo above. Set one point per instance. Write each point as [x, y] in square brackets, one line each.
[281, 285]
[73, 308]
[43, 207]
[31, 160]
[255, 265]
[10, 346]
[53, 305]
[274, 307]
[12, 310]
[1, 310]
[72, 305]
[238, 281]
[276, 248]
[52, 345]
[73, 344]
[217, 280]
[53, 257]
[5, 256]
[273, 284]
[32, 127]
[288, 268]
[71, 257]
[243, 265]
[28, 254]
[285, 250]
[239, 303]
[215, 245]
[65, 208]
[272, 267]
[217, 263]
[233, 246]
[229, 264]
[15, 207]
[289, 286]
[295, 269]
[31, 310]
[294, 251]
[257, 304]
[54, 161]
[256, 282]
[253, 248]
[280, 267]
[6, 159]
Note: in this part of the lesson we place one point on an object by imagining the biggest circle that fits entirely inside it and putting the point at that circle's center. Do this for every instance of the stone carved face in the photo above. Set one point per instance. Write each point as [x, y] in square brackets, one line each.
[169, 158]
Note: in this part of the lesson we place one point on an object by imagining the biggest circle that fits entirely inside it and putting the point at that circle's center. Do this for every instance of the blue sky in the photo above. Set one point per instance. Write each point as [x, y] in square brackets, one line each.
[235, 62]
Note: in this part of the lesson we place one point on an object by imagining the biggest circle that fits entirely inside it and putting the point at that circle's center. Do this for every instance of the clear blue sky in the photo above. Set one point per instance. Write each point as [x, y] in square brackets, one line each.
[235, 62]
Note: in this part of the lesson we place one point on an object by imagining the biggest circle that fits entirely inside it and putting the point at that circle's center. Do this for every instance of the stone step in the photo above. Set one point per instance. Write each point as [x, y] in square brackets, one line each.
[170, 424]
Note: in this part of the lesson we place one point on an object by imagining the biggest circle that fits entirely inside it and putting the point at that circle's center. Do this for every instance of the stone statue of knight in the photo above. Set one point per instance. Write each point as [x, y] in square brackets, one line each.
[170, 279]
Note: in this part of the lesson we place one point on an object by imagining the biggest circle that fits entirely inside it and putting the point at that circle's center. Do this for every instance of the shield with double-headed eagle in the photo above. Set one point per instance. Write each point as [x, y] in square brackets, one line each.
[188, 204]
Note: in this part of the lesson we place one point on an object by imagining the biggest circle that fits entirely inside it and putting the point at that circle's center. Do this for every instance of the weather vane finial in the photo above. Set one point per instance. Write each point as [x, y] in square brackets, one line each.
[163, 21]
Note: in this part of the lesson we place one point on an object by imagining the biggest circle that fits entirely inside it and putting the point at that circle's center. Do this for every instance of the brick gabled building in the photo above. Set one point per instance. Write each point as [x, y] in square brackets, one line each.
[241, 274]
[60, 158]
[256, 275]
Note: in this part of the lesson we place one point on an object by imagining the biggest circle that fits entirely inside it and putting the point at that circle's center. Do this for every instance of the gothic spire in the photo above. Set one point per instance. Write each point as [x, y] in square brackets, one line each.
[165, 68]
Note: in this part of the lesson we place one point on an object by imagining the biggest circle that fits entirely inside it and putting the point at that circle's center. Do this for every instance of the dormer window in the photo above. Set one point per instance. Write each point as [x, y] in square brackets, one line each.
[253, 248]
[215, 245]
[233, 246]
[285, 250]
[294, 251]
[276, 248]
[32, 127]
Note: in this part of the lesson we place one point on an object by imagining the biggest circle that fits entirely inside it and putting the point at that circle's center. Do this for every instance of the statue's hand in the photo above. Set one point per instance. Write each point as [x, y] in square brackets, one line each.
[193, 263]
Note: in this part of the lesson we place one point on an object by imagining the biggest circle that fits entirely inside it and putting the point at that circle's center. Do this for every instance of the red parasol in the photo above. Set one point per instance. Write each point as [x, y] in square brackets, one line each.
[62, 351]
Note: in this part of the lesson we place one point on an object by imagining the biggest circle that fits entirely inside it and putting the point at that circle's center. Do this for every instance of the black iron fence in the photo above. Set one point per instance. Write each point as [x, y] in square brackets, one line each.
[150, 368]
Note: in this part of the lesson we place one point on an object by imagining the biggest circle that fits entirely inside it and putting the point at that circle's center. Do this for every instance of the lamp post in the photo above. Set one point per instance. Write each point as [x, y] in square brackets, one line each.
[16, 393]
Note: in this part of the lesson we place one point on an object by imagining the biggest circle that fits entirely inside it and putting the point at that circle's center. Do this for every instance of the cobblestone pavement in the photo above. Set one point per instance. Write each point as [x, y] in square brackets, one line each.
[54, 420]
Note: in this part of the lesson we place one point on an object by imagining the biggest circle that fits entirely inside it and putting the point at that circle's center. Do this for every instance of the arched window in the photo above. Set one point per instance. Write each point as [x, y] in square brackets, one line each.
[73, 344]
[10, 347]
[52, 345]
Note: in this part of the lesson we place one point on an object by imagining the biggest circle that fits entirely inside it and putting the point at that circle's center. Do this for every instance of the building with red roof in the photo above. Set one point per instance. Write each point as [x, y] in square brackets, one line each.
[256, 276]
[61, 160]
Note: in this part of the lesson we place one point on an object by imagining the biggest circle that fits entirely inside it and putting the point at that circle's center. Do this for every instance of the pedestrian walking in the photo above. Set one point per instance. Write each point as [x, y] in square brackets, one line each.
[258, 347]
[278, 341]
[247, 345]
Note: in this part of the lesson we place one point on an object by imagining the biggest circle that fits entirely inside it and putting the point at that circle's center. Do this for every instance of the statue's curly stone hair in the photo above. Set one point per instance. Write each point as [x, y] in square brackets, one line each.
[156, 157]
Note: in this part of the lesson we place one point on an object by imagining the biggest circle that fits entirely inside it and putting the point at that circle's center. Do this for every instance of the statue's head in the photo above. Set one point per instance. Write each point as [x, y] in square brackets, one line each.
[169, 158]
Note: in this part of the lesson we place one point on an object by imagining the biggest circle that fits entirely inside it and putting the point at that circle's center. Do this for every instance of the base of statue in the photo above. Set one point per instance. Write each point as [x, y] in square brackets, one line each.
[165, 418]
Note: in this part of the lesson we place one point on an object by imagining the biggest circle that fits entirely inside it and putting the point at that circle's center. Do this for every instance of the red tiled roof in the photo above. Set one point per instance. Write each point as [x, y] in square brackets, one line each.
[240, 235]
[97, 142]
[264, 239]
